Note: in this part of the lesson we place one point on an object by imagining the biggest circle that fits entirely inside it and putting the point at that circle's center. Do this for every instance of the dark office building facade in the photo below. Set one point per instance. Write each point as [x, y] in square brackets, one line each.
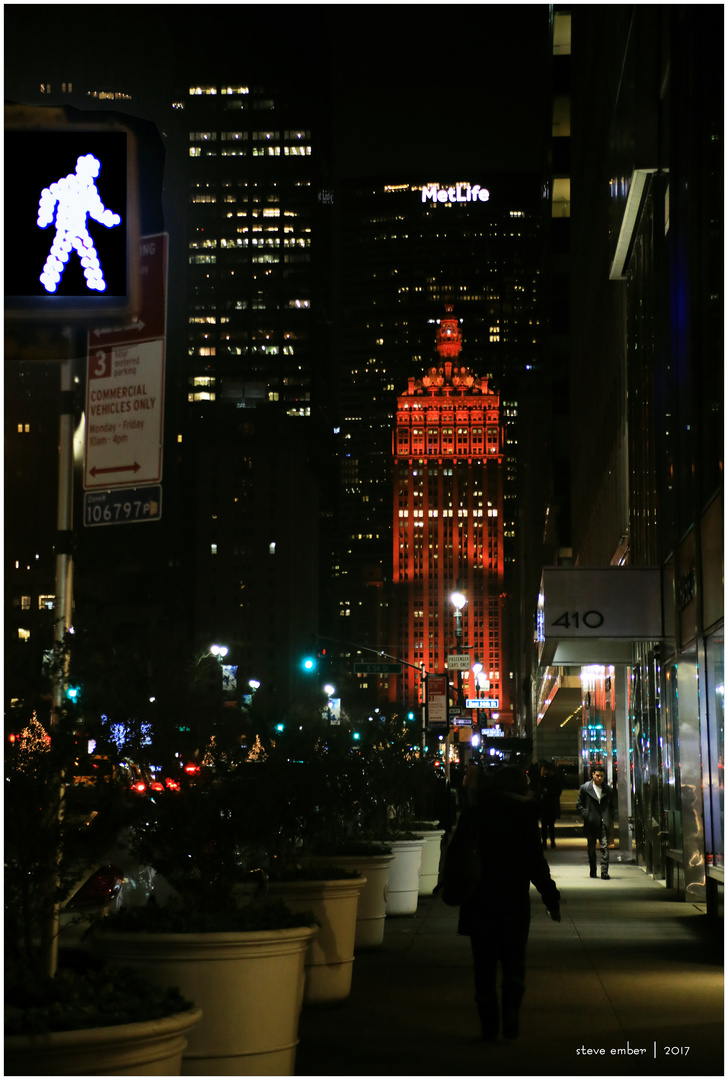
[647, 410]
[258, 385]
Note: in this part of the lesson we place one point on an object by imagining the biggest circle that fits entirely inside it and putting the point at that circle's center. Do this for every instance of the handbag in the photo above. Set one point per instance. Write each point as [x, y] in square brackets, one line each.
[462, 869]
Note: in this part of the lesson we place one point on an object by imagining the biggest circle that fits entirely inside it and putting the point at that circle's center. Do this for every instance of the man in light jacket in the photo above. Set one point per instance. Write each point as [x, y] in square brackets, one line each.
[594, 804]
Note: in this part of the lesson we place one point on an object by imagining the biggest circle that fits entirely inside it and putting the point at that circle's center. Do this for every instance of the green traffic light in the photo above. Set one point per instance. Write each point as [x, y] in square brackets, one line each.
[309, 664]
[72, 692]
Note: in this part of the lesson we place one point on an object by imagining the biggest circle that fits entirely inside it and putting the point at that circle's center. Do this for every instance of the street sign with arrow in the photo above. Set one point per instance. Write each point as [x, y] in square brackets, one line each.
[125, 387]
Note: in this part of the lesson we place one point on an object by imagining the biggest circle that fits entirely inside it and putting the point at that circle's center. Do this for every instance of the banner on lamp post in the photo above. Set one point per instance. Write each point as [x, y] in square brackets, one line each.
[437, 718]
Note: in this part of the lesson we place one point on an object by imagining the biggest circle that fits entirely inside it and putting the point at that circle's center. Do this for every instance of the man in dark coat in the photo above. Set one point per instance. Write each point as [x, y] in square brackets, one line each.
[497, 917]
[594, 805]
[550, 789]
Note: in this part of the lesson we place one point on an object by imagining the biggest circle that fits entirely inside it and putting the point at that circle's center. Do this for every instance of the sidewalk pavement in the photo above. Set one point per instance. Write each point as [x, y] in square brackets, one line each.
[629, 983]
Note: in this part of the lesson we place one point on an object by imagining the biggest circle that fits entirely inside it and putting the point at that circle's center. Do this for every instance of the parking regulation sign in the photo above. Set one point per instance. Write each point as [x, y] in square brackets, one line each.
[124, 416]
[125, 386]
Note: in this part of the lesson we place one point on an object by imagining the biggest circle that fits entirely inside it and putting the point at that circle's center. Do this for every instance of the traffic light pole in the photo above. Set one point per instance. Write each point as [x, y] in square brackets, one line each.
[387, 656]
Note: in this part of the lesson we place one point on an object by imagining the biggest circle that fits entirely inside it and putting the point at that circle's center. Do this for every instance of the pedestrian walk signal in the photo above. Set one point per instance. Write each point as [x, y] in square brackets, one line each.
[71, 217]
[67, 204]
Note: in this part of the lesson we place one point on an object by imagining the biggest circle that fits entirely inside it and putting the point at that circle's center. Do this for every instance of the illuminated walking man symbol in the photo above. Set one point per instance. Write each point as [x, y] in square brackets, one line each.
[76, 196]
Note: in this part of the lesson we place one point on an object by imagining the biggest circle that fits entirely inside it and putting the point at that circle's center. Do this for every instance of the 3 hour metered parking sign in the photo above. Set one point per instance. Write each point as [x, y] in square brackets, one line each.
[125, 387]
[71, 217]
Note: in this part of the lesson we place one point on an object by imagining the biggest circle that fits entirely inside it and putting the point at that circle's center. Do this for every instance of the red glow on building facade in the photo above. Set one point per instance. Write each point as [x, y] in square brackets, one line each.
[448, 528]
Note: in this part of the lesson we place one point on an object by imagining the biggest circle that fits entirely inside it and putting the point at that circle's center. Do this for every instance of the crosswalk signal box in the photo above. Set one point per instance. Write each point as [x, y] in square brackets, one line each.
[71, 217]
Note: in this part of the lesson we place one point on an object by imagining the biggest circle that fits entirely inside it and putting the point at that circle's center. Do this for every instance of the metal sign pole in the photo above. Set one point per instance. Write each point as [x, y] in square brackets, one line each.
[63, 603]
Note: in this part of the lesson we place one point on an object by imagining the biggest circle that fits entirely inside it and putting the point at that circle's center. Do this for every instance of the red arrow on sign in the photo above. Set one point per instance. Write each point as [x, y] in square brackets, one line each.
[116, 468]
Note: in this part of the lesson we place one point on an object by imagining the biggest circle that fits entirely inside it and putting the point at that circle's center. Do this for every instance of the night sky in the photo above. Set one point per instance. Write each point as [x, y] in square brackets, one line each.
[415, 87]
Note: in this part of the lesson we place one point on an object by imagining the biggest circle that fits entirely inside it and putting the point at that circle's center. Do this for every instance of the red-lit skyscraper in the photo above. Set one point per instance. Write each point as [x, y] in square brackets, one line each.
[448, 527]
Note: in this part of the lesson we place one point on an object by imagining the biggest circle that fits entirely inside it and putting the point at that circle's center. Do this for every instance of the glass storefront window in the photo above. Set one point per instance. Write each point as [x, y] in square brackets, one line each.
[713, 776]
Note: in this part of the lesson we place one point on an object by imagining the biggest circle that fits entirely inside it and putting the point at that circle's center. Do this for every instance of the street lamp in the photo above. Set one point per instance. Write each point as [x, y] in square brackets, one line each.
[220, 651]
[458, 601]
[333, 709]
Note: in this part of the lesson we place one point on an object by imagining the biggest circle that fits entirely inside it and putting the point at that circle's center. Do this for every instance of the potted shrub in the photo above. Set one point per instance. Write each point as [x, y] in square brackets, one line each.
[90, 1021]
[242, 963]
[308, 775]
[431, 853]
[372, 861]
[59, 1020]
[332, 893]
[187, 835]
[248, 980]
[395, 772]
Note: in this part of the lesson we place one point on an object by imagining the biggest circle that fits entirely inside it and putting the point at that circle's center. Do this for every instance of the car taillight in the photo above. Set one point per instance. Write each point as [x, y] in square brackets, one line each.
[156, 786]
[192, 770]
[140, 786]
[100, 888]
[173, 785]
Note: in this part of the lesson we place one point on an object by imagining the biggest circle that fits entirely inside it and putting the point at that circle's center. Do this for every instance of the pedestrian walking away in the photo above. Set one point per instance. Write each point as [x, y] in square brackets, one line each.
[496, 915]
[594, 805]
[472, 780]
[550, 789]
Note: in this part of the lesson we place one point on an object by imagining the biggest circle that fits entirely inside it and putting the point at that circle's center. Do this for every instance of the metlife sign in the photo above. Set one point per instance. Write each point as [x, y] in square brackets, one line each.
[456, 193]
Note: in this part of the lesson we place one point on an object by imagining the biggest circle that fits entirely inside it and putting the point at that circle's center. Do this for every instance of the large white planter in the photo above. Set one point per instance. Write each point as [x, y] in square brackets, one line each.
[372, 907]
[330, 955]
[149, 1048]
[249, 986]
[430, 867]
[404, 876]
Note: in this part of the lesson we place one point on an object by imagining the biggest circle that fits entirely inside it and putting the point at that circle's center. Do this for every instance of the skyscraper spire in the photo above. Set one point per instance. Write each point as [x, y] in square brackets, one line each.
[449, 339]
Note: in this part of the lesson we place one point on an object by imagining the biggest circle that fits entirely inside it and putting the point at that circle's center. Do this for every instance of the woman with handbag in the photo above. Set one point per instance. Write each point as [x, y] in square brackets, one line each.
[490, 864]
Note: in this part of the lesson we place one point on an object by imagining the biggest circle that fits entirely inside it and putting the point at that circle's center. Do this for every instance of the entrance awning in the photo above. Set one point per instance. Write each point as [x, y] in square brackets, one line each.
[561, 701]
[594, 615]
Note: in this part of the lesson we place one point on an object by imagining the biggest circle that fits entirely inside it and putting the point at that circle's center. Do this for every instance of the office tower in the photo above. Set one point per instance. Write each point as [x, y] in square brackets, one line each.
[448, 448]
[406, 248]
[254, 189]
[257, 372]
[555, 699]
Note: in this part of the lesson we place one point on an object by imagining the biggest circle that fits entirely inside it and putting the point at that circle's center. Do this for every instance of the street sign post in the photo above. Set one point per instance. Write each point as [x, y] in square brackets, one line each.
[458, 662]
